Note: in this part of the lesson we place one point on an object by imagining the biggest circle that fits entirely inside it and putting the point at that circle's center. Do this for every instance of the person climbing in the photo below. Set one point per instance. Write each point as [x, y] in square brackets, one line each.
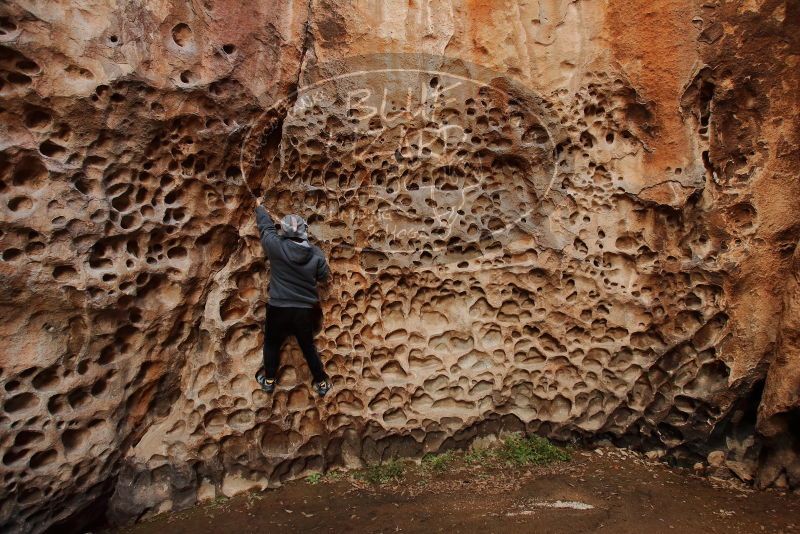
[296, 267]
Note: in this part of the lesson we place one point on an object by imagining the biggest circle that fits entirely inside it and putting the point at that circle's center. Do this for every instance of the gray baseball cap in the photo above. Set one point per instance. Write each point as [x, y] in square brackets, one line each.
[294, 226]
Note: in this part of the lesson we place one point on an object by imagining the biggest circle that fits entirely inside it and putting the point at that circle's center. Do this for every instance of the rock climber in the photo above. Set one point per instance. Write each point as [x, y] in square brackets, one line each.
[296, 267]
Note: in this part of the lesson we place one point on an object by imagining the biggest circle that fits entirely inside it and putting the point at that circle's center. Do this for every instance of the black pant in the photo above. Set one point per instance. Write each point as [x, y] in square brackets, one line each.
[297, 322]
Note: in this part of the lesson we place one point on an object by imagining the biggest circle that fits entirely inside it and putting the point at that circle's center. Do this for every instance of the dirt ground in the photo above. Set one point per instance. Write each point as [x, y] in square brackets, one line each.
[609, 490]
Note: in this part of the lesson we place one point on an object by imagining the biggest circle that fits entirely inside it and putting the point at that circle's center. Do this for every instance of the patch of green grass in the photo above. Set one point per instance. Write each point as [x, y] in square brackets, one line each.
[521, 450]
[334, 475]
[479, 457]
[314, 478]
[218, 502]
[438, 463]
[384, 473]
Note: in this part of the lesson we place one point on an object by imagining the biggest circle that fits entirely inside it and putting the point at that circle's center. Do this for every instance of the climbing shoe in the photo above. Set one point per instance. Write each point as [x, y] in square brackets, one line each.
[322, 387]
[267, 385]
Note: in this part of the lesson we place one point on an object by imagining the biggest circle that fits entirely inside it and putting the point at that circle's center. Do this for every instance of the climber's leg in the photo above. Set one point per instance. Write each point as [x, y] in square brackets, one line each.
[276, 328]
[303, 330]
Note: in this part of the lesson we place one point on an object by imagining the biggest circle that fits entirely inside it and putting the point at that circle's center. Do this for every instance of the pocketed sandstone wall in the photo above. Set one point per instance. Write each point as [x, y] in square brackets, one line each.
[567, 217]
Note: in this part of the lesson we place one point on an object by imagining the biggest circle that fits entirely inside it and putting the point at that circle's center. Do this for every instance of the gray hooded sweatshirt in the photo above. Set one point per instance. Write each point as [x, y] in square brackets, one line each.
[295, 269]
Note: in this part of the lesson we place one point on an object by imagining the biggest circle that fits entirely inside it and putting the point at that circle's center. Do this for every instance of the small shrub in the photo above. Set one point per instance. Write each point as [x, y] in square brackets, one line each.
[521, 450]
[218, 502]
[438, 462]
[334, 475]
[479, 457]
[314, 478]
[383, 473]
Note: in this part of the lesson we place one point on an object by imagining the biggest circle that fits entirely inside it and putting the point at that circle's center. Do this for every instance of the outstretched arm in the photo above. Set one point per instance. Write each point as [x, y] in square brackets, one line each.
[266, 226]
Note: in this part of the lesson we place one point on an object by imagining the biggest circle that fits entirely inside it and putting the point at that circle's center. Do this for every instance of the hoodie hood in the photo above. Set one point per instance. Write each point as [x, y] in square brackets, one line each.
[295, 252]
[294, 226]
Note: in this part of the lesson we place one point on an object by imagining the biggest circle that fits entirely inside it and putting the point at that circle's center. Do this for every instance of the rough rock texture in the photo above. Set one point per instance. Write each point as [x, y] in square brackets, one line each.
[572, 217]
